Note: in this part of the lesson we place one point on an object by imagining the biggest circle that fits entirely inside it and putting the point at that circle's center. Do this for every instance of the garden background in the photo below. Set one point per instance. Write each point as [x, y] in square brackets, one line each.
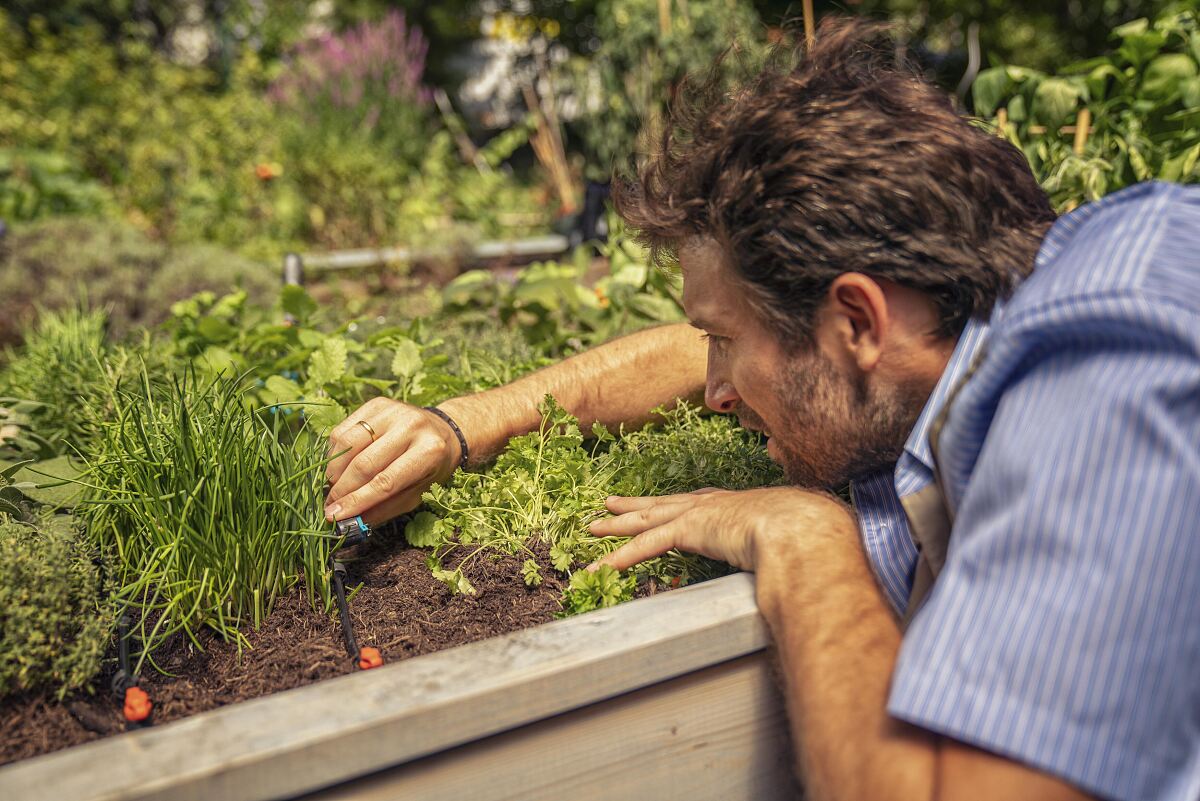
[164, 399]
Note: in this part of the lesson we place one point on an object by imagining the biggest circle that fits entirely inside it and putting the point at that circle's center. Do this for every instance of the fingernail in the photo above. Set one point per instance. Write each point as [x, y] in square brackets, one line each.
[332, 512]
[593, 567]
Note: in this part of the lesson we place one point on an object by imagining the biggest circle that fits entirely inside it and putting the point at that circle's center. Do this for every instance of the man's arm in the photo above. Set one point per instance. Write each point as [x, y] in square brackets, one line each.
[837, 642]
[384, 475]
[836, 639]
[618, 382]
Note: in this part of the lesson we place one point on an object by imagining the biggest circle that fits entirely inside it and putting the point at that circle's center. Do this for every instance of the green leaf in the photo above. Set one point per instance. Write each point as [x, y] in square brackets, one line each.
[425, 530]
[1132, 28]
[1165, 75]
[1189, 93]
[297, 302]
[1054, 101]
[407, 360]
[1139, 48]
[455, 581]
[328, 365]
[561, 558]
[990, 87]
[1182, 167]
[324, 416]
[1098, 78]
[215, 329]
[531, 573]
[278, 390]
[1016, 109]
[51, 482]
[218, 360]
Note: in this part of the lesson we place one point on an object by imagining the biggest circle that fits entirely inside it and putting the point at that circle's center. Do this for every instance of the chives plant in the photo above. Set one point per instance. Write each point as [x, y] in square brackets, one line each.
[207, 509]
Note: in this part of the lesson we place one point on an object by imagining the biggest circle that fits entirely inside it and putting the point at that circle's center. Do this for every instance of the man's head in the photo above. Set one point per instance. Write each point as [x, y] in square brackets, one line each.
[837, 224]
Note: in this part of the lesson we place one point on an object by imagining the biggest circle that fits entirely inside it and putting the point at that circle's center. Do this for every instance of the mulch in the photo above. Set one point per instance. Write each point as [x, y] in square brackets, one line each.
[401, 609]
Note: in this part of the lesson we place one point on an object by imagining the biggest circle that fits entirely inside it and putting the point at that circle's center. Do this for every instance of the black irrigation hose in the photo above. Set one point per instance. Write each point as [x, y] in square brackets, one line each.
[339, 589]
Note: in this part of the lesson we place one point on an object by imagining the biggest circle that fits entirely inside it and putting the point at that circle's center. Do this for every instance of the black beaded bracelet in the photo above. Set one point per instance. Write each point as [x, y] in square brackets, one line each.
[462, 441]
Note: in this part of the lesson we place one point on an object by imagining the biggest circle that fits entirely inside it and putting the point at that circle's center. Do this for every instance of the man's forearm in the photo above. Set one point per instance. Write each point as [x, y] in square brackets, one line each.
[837, 642]
[618, 382]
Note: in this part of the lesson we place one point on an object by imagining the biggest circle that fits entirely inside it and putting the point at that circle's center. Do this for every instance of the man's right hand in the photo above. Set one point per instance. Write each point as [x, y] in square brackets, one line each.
[383, 476]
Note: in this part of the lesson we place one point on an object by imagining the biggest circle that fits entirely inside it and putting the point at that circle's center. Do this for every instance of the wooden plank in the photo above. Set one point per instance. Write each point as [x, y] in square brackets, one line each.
[315, 736]
[720, 734]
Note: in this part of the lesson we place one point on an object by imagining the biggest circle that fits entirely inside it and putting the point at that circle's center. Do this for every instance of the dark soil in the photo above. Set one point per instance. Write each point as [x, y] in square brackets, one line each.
[401, 610]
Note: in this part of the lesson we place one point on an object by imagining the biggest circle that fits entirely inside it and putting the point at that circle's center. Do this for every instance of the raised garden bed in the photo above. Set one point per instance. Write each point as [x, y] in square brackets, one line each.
[667, 696]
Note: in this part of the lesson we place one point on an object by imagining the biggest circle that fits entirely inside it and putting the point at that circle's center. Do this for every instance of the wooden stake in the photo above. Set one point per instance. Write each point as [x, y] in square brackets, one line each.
[548, 149]
[809, 25]
[1083, 124]
[664, 17]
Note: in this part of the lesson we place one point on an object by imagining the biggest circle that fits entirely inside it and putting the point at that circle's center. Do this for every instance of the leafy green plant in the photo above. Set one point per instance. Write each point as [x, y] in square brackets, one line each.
[1144, 103]
[547, 486]
[55, 614]
[34, 184]
[211, 510]
[558, 312]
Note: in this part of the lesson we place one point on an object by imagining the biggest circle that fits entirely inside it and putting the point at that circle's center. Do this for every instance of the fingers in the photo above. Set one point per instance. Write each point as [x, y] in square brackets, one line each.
[409, 474]
[367, 462]
[349, 439]
[394, 507]
[638, 516]
[655, 542]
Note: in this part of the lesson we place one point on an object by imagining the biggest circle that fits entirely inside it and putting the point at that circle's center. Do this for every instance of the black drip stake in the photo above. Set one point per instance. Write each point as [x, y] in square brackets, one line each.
[138, 708]
[352, 531]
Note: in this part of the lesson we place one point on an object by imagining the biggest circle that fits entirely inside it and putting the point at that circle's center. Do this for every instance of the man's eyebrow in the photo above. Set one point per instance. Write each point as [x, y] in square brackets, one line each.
[703, 325]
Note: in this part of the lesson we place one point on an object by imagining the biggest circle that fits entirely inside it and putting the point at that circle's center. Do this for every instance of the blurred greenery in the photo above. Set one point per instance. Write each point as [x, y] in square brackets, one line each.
[626, 82]
[111, 108]
[58, 264]
[1143, 99]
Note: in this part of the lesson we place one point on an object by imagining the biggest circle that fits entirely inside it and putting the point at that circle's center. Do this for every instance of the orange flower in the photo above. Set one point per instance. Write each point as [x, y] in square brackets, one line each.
[268, 170]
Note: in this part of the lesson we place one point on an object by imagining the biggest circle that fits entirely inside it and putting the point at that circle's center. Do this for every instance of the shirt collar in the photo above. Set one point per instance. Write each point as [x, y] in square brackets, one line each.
[917, 446]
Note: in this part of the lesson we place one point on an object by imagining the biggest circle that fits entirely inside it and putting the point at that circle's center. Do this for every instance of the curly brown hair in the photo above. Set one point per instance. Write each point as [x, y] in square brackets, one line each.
[842, 160]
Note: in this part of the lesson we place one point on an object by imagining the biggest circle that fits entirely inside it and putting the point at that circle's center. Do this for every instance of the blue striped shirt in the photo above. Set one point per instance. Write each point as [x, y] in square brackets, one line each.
[1064, 629]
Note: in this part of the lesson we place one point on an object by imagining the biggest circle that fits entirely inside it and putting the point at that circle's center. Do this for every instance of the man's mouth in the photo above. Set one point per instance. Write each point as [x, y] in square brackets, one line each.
[750, 427]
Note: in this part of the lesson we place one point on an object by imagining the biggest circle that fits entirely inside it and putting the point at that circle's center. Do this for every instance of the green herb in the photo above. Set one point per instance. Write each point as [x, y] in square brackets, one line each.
[210, 511]
[547, 486]
[55, 614]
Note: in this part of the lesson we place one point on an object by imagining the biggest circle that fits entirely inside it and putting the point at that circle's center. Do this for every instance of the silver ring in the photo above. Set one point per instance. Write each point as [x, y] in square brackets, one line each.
[366, 427]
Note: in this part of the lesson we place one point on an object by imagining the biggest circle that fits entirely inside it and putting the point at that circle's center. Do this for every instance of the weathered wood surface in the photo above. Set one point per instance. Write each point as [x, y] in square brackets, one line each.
[719, 734]
[317, 736]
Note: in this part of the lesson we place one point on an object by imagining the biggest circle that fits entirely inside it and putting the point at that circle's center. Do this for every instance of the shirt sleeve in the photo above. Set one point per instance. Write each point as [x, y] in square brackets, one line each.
[1064, 629]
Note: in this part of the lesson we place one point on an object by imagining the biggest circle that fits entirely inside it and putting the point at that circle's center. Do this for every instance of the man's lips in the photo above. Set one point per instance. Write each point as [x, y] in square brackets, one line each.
[751, 427]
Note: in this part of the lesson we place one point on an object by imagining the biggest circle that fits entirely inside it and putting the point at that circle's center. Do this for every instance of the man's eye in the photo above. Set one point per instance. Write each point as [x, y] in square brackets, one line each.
[715, 339]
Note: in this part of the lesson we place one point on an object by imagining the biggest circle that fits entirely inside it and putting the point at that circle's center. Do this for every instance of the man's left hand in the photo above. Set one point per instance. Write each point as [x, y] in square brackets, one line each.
[730, 526]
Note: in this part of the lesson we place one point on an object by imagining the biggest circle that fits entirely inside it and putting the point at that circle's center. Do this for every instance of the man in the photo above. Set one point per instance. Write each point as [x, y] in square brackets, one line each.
[1010, 610]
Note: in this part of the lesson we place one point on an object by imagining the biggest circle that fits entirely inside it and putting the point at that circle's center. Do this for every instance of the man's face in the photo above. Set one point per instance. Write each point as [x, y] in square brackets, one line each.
[827, 423]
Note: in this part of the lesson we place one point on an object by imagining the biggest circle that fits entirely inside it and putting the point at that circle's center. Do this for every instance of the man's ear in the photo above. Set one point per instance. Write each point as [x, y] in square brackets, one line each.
[857, 311]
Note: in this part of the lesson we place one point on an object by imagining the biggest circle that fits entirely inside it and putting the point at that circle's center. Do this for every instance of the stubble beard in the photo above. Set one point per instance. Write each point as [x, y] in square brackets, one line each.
[838, 429]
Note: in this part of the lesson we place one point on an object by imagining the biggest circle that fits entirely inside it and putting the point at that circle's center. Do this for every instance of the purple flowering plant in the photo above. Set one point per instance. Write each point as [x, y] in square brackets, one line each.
[361, 86]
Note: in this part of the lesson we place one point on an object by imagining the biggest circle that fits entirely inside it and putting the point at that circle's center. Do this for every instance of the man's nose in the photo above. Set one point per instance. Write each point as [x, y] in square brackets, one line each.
[720, 396]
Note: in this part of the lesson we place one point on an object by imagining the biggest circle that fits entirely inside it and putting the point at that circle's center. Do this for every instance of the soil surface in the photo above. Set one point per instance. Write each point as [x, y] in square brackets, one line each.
[401, 610]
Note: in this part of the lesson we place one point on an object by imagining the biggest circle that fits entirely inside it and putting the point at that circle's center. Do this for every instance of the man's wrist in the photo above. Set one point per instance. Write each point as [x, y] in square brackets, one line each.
[796, 542]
